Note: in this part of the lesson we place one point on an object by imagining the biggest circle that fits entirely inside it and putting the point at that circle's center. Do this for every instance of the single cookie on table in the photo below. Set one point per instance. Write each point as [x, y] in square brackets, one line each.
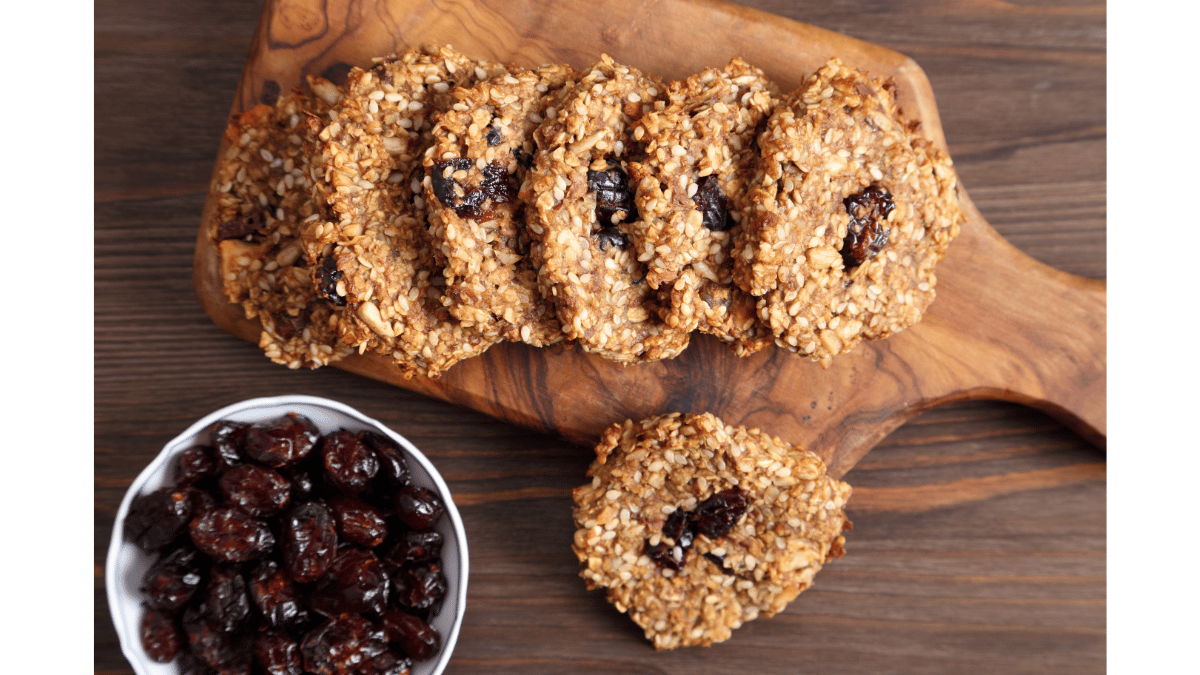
[483, 147]
[580, 210]
[852, 211]
[695, 527]
[372, 250]
[263, 197]
[691, 188]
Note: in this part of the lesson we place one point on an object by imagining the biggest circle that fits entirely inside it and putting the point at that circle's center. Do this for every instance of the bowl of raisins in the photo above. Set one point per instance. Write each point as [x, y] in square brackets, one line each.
[288, 535]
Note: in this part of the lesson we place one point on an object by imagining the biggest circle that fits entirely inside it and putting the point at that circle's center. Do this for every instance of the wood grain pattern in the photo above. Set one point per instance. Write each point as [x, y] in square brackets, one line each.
[1003, 325]
[980, 526]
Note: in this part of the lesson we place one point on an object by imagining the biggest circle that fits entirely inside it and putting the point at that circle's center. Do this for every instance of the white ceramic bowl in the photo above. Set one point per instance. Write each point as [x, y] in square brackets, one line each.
[127, 564]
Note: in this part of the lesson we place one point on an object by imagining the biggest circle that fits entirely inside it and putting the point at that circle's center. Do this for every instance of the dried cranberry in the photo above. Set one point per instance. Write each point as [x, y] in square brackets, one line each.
[278, 653]
[255, 489]
[349, 463]
[711, 202]
[613, 198]
[418, 507]
[161, 638]
[227, 437]
[231, 535]
[195, 465]
[173, 579]
[243, 227]
[157, 518]
[717, 515]
[415, 547]
[283, 441]
[866, 235]
[358, 522]
[341, 644]
[421, 588]
[325, 278]
[355, 583]
[309, 541]
[416, 637]
[276, 597]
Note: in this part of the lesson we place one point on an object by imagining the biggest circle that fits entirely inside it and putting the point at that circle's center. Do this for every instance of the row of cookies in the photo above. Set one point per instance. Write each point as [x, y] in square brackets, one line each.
[434, 204]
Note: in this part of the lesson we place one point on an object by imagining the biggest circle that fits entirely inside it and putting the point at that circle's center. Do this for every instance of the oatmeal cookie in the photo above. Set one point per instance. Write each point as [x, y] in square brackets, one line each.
[696, 527]
[580, 210]
[852, 211]
[373, 250]
[701, 155]
[483, 147]
[263, 198]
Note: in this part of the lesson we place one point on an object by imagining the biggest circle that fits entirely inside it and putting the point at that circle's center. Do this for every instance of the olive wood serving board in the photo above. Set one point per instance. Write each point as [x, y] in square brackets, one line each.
[1003, 326]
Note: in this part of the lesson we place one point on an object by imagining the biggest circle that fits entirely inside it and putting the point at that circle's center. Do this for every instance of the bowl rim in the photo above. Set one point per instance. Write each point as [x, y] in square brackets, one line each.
[188, 436]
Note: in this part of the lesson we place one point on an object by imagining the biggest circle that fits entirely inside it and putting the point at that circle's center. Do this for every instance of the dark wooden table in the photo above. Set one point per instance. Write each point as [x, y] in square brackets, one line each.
[979, 542]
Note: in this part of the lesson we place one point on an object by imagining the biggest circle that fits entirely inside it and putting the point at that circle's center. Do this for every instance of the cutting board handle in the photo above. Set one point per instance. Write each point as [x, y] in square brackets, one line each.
[1017, 330]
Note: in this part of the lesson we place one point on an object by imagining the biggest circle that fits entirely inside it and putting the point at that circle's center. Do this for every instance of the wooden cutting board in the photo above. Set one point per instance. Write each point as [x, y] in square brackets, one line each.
[1003, 326]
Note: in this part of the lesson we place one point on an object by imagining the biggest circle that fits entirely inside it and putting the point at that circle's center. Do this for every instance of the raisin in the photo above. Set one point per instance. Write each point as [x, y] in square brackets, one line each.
[614, 201]
[288, 326]
[416, 637]
[719, 561]
[227, 438]
[156, 519]
[341, 644]
[227, 599]
[493, 137]
[255, 489]
[717, 515]
[355, 583]
[524, 159]
[270, 92]
[304, 486]
[349, 463]
[415, 547]
[393, 468]
[281, 442]
[611, 236]
[207, 641]
[161, 638]
[194, 465]
[337, 72]
[276, 598]
[244, 227]
[278, 653]
[711, 202]
[418, 507]
[866, 235]
[496, 187]
[666, 555]
[309, 541]
[358, 522]
[326, 278]
[386, 663]
[173, 579]
[190, 664]
[231, 535]
[420, 588]
[680, 528]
